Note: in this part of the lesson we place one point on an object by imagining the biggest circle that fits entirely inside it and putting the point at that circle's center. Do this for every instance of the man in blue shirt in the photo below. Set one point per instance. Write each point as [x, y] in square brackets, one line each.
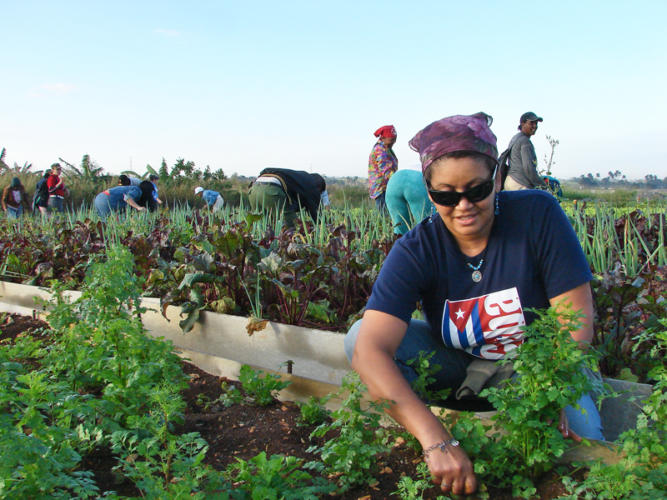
[117, 198]
[212, 198]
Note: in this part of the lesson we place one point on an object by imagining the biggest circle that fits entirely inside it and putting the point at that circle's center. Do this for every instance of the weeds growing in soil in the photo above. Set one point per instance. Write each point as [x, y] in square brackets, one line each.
[350, 456]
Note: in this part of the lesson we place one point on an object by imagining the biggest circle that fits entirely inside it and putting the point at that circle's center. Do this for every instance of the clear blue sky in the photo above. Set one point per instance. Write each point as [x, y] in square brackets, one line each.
[245, 85]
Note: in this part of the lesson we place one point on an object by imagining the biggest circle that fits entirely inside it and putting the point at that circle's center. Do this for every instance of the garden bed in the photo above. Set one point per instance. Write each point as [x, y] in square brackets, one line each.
[243, 430]
[220, 344]
[320, 276]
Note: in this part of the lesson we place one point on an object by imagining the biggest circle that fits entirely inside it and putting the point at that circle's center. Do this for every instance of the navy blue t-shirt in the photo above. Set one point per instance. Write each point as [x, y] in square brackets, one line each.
[532, 255]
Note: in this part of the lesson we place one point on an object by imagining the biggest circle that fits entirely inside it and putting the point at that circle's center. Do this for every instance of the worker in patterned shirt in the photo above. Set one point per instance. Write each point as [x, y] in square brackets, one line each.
[382, 163]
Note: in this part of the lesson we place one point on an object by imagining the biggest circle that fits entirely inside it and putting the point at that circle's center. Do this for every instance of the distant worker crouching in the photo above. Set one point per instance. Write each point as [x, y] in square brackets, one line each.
[553, 185]
[117, 198]
[128, 180]
[382, 163]
[213, 199]
[288, 190]
[522, 173]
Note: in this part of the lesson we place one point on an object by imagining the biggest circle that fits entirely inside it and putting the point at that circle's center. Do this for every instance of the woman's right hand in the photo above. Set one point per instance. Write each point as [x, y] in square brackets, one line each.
[452, 470]
[379, 336]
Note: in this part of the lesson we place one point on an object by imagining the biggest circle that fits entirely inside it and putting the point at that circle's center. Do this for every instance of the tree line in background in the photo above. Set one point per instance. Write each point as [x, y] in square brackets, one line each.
[617, 179]
[177, 182]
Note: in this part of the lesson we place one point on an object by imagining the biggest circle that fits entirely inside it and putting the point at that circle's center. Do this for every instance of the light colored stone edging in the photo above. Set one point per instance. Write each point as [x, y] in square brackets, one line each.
[220, 344]
[316, 354]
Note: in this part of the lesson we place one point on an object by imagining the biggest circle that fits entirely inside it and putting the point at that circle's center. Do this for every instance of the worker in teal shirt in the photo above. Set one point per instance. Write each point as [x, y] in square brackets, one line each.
[407, 200]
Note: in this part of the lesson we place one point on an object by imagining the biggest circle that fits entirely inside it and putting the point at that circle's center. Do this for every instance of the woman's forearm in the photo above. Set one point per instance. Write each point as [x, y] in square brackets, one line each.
[386, 383]
[134, 204]
[579, 299]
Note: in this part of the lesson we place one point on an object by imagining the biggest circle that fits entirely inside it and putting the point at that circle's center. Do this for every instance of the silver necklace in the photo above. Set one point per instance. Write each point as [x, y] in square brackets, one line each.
[476, 273]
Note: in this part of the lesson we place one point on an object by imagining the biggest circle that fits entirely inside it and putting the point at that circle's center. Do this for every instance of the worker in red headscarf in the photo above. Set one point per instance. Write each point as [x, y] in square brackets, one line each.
[382, 163]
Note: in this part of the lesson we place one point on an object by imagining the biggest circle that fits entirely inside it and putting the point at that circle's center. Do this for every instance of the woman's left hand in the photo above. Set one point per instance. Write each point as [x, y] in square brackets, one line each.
[564, 428]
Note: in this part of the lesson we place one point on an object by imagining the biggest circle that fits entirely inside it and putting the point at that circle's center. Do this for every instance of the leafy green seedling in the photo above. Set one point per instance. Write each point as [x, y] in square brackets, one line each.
[277, 477]
[231, 395]
[352, 455]
[261, 389]
[415, 489]
[313, 412]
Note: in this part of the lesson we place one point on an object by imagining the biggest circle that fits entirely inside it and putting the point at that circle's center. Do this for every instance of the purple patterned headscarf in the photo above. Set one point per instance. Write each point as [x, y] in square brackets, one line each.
[455, 133]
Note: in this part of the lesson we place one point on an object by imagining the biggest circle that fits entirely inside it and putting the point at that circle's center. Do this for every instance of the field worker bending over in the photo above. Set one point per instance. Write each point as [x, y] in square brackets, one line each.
[117, 198]
[128, 180]
[407, 200]
[475, 266]
[212, 198]
[288, 190]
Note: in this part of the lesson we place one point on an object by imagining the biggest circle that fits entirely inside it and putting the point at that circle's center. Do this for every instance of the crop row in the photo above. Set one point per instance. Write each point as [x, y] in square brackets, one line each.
[321, 275]
[95, 380]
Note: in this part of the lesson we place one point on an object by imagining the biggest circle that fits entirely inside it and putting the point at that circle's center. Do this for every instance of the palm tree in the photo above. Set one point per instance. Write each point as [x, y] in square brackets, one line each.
[88, 170]
[16, 169]
[149, 171]
[3, 165]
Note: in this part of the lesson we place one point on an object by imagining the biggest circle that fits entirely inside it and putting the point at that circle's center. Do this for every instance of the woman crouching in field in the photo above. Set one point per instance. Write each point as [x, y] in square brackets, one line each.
[475, 266]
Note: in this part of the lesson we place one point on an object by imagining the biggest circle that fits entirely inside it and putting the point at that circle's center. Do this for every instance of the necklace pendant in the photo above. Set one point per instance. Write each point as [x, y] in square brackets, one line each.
[476, 276]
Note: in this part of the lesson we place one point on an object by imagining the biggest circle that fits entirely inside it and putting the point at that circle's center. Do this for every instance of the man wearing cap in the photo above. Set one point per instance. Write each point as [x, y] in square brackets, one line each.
[522, 173]
[213, 199]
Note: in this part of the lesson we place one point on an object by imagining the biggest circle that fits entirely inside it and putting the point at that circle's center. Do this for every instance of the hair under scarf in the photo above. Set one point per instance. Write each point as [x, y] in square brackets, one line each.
[455, 133]
[386, 131]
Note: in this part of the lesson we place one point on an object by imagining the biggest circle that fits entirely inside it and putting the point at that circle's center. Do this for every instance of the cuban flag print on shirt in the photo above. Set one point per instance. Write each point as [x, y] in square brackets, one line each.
[488, 327]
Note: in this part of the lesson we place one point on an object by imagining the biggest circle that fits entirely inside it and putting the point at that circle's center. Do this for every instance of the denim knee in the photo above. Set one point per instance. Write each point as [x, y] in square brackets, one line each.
[585, 421]
[351, 339]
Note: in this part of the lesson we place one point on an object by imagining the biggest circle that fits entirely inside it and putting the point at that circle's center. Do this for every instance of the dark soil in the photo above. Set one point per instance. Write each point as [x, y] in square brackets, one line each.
[12, 325]
[244, 430]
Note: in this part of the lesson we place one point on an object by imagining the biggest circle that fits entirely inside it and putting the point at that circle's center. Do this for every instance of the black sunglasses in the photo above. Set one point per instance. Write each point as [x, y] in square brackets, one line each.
[473, 195]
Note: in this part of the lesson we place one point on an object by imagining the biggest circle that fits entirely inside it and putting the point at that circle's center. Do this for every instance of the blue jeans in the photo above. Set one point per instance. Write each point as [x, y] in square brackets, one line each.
[380, 203]
[14, 213]
[585, 422]
[102, 206]
[56, 204]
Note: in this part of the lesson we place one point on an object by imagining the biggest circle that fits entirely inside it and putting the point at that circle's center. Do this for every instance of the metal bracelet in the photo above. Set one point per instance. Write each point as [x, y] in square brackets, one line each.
[442, 445]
